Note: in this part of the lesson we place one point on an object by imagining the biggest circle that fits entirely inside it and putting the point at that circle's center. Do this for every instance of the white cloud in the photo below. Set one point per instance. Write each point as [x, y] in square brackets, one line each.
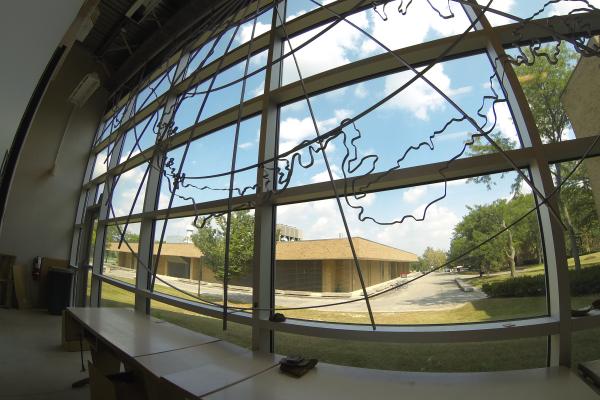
[504, 121]
[504, 5]
[133, 175]
[367, 200]
[454, 136]
[457, 182]
[420, 21]
[258, 90]
[332, 49]
[321, 220]
[293, 130]
[177, 227]
[323, 176]
[100, 164]
[564, 7]
[124, 196]
[163, 201]
[360, 90]
[343, 43]
[435, 230]
[246, 32]
[413, 194]
[413, 28]
[420, 98]
[125, 156]
[245, 145]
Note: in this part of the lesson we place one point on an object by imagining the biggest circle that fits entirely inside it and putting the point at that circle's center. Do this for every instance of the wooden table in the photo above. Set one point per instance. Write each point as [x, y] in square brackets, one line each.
[174, 362]
[121, 336]
[197, 371]
[171, 361]
[131, 334]
[328, 381]
[591, 370]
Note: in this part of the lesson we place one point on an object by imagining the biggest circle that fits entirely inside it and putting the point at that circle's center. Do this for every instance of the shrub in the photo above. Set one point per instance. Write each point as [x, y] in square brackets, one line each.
[522, 286]
[586, 281]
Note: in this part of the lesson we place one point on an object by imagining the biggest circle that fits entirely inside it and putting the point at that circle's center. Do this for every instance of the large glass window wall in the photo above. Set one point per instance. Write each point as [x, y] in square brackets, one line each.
[396, 189]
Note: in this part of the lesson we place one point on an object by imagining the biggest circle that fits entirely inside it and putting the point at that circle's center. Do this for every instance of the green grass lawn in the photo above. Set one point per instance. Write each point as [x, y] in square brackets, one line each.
[482, 356]
[587, 260]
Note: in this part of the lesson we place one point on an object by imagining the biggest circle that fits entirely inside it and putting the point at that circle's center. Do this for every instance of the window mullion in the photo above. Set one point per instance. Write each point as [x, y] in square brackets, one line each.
[264, 229]
[145, 250]
[104, 213]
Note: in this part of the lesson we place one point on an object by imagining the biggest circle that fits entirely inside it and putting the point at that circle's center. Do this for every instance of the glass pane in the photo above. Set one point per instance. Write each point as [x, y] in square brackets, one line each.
[262, 25]
[129, 192]
[294, 9]
[142, 136]
[154, 89]
[112, 124]
[224, 94]
[375, 31]
[430, 357]
[120, 261]
[586, 346]
[203, 162]
[552, 96]
[192, 258]
[579, 205]
[113, 296]
[99, 192]
[578, 95]
[317, 268]
[102, 161]
[235, 333]
[415, 127]
[215, 48]
[536, 9]
[180, 268]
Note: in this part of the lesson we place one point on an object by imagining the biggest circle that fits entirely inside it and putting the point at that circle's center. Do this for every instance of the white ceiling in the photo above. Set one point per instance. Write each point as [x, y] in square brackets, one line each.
[30, 31]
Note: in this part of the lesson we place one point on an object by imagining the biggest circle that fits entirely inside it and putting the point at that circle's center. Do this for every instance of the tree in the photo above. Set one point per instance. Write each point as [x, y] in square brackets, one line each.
[113, 234]
[543, 82]
[517, 244]
[210, 239]
[431, 258]
[481, 222]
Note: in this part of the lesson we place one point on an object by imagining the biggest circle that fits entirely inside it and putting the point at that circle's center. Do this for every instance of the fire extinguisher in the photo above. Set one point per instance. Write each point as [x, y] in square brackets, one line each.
[37, 268]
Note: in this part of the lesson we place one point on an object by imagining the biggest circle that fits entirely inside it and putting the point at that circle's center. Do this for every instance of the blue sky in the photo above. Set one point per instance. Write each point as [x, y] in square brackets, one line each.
[406, 120]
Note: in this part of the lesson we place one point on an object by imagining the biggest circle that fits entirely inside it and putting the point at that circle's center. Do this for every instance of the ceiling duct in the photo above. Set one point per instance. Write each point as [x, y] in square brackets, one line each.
[141, 9]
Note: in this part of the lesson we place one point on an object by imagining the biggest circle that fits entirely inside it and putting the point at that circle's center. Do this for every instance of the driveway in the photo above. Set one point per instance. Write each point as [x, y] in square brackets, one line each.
[434, 292]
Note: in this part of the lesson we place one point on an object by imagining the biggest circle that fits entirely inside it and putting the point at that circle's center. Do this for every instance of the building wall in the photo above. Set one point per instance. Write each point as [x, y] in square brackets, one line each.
[341, 275]
[30, 31]
[319, 276]
[582, 104]
[195, 269]
[299, 275]
[41, 205]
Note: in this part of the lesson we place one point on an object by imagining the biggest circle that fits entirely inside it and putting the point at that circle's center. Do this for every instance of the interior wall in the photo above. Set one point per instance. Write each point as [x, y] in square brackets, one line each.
[30, 31]
[42, 202]
[582, 104]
